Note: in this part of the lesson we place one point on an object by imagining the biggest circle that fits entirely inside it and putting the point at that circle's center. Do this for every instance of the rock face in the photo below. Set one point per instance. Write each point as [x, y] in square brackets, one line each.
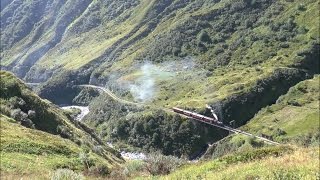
[32, 20]
[242, 107]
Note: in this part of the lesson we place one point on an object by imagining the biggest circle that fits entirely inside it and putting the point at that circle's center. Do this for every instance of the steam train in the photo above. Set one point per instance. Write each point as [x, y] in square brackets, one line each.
[197, 116]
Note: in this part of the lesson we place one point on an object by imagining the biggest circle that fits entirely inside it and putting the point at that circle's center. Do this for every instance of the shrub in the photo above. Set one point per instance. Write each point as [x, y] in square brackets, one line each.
[86, 160]
[16, 102]
[130, 169]
[157, 164]
[22, 117]
[99, 170]
[204, 37]
[315, 139]
[294, 103]
[64, 131]
[202, 47]
[27, 123]
[98, 149]
[134, 166]
[31, 114]
[310, 139]
[17, 114]
[303, 52]
[218, 50]
[301, 7]
[302, 30]
[279, 132]
[286, 174]
[284, 45]
[254, 142]
[66, 174]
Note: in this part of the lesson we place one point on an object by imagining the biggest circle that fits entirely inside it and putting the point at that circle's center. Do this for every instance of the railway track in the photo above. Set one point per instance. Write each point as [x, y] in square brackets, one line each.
[116, 98]
[219, 125]
[228, 128]
[113, 96]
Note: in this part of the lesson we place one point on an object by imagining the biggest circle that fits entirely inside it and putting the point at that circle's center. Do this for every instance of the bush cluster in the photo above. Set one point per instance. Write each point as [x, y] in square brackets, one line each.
[151, 130]
[66, 174]
[157, 164]
[22, 117]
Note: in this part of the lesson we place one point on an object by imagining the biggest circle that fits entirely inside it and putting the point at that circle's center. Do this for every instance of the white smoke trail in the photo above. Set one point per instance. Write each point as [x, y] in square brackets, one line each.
[212, 112]
[144, 87]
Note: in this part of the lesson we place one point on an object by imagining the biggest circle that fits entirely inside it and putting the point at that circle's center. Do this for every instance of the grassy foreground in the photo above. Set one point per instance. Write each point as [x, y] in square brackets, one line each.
[301, 163]
[27, 152]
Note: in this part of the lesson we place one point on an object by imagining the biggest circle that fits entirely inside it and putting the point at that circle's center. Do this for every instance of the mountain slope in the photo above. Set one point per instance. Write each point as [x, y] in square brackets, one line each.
[236, 55]
[213, 32]
[25, 152]
[296, 114]
[293, 119]
[35, 131]
[268, 163]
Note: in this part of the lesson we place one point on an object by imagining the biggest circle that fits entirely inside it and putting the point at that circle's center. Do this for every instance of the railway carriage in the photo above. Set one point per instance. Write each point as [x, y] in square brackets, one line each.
[196, 116]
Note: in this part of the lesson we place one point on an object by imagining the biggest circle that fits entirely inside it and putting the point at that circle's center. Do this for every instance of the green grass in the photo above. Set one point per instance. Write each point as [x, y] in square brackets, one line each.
[41, 148]
[254, 53]
[224, 81]
[239, 56]
[266, 163]
[30, 151]
[79, 49]
[296, 112]
[294, 119]
[239, 157]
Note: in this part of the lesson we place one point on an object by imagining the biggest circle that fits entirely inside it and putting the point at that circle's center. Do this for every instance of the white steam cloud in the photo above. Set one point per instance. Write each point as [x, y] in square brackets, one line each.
[144, 87]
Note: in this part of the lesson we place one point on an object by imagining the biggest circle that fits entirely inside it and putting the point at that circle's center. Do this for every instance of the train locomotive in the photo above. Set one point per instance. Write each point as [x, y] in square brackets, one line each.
[215, 122]
[197, 116]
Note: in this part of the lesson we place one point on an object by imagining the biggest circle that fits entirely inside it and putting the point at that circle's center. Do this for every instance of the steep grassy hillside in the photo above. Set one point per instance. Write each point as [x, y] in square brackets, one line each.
[236, 55]
[110, 39]
[38, 136]
[75, 29]
[268, 163]
[293, 119]
[295, 114]
[25, 152]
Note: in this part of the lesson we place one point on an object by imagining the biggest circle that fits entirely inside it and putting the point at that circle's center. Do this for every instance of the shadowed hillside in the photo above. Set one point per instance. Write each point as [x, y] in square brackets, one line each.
[40, 136]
